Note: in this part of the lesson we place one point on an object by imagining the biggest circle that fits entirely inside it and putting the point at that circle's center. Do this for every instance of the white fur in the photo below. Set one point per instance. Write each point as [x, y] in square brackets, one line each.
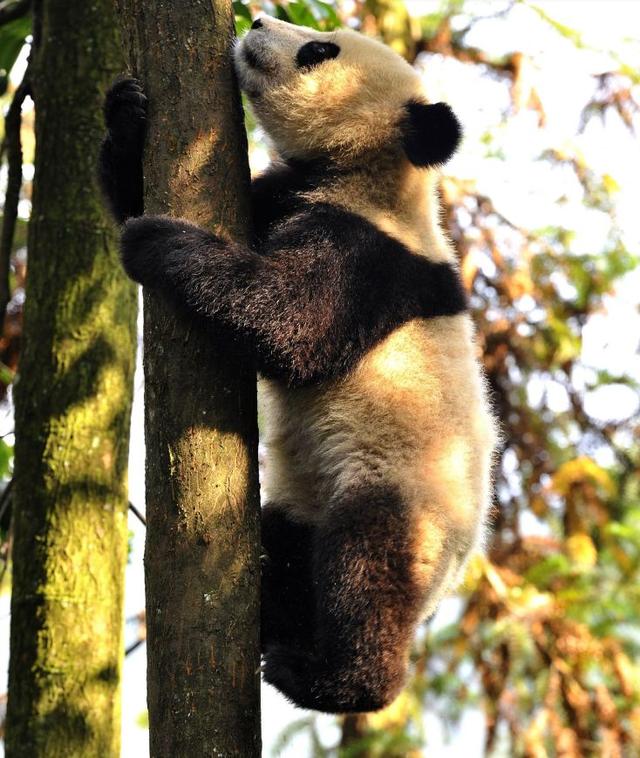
[343, 107]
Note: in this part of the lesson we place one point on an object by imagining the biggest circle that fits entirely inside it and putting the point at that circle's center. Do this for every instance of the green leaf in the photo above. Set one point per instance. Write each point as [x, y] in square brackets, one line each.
[543, 573]
[281, 13]
[566, 31]
[142, 720]
[327, 14]
[242, 17]
[6, 460]
[242, 25]
[300, 14]
[12, 37]
[240, 9]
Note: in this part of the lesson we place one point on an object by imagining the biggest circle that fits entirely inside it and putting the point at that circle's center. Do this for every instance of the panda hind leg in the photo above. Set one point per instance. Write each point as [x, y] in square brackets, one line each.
[287, 604]
[369, 600]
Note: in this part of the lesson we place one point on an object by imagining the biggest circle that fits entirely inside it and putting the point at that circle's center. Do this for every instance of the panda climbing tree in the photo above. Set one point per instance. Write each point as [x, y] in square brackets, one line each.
[378, 430]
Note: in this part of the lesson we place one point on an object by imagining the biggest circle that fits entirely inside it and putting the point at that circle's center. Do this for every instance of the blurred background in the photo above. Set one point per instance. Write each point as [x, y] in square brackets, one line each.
[536, 655]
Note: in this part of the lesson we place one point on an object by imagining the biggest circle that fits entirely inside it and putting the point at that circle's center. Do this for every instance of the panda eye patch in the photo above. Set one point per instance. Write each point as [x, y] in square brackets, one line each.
[313, 53]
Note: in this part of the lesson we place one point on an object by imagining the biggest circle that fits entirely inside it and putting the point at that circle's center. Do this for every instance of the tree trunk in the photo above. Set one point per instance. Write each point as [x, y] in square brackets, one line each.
[203, 516]
[73, 401]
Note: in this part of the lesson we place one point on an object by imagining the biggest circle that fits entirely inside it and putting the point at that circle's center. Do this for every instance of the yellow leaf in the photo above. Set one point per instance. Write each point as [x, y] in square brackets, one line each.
[474, 572]
[495, 580]
[628, 674]
[634, 719]
[519, 283]
[469, 269]
[526, 600]
[394, 715]
[623, 559]
[579, 470]
[539, 505]
[610, 184]
[581, 550]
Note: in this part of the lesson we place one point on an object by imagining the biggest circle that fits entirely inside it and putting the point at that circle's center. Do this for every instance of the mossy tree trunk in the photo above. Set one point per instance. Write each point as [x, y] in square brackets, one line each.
[202, 550]
[73, 400]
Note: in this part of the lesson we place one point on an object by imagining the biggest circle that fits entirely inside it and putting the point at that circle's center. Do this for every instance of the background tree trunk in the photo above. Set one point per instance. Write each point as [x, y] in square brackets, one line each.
[203, 542]
[73, 402]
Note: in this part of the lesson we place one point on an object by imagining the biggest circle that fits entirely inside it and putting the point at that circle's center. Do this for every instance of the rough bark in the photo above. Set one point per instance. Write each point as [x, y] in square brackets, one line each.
[73, 400]
[202, 550]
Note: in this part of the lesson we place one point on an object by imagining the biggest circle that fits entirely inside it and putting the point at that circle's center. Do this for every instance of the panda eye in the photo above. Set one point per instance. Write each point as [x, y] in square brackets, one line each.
[313, 53]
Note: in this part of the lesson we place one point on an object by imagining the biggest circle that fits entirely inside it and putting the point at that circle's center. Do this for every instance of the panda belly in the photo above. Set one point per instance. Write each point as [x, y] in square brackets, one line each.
[412, 415]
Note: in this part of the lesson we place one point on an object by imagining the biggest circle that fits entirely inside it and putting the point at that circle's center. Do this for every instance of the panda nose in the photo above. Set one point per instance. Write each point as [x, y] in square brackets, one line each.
[257, 24]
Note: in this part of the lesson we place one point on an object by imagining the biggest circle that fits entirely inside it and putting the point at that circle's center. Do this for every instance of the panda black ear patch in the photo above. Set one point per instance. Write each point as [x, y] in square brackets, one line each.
[430, 133]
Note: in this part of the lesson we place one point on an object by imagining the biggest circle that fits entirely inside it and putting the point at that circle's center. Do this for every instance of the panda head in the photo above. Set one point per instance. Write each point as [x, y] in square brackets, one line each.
[339, 96]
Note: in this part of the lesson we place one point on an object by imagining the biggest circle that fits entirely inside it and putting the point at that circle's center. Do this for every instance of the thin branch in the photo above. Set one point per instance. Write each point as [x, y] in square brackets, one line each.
[137, 514]
[5, 498]
[7, 549]
[13, 147]
[135, 645]
[140, 620]
[10, 11]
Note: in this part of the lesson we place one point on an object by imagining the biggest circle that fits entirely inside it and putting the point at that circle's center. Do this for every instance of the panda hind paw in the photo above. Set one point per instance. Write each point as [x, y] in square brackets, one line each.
[304, 680]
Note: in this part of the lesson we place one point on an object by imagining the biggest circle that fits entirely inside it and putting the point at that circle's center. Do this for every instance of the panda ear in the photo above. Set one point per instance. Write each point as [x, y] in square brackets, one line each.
[430, 133]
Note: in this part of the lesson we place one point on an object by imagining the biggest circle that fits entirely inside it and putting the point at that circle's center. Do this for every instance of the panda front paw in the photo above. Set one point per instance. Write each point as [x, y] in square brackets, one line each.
[125, 114]
[144, 245]
[152, 247]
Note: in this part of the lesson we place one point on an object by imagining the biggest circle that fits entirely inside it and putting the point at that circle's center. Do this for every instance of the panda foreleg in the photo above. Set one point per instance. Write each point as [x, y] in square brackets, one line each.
[120, 162]
[278, 304]
[287, 606]
[369, 600]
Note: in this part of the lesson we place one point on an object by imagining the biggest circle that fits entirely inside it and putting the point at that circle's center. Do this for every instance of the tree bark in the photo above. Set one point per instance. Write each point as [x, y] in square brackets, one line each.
[73, 401]
[203, 515]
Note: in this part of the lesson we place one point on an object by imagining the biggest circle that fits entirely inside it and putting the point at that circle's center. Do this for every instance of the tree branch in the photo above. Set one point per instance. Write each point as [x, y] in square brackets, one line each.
[13, 147]
[137, 514]
[134, 646]
[5, 498]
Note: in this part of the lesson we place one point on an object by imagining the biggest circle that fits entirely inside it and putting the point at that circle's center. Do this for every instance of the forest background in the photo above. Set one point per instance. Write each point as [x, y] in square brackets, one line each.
[536, 654]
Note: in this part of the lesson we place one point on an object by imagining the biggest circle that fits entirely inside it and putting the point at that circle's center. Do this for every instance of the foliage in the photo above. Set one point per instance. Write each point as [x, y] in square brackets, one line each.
[317, 14]
[12, 38]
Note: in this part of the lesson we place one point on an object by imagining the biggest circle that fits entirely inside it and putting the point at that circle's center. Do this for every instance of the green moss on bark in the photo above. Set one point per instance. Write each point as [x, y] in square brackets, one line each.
[73, 401]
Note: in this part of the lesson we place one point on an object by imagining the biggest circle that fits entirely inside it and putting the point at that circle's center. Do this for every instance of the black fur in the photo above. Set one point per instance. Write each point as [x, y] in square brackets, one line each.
[277, 193]
[287, 607]
[252, 59]
[315, 52]
[325, 287]
[431, 133]
[125, 113]
[367, 605]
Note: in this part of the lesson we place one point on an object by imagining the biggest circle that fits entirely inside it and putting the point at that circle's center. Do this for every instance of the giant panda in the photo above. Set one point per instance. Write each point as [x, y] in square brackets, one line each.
[377, 426]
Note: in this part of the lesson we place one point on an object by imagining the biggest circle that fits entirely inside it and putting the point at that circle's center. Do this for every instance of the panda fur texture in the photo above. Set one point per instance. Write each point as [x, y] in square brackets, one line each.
[377, 427]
